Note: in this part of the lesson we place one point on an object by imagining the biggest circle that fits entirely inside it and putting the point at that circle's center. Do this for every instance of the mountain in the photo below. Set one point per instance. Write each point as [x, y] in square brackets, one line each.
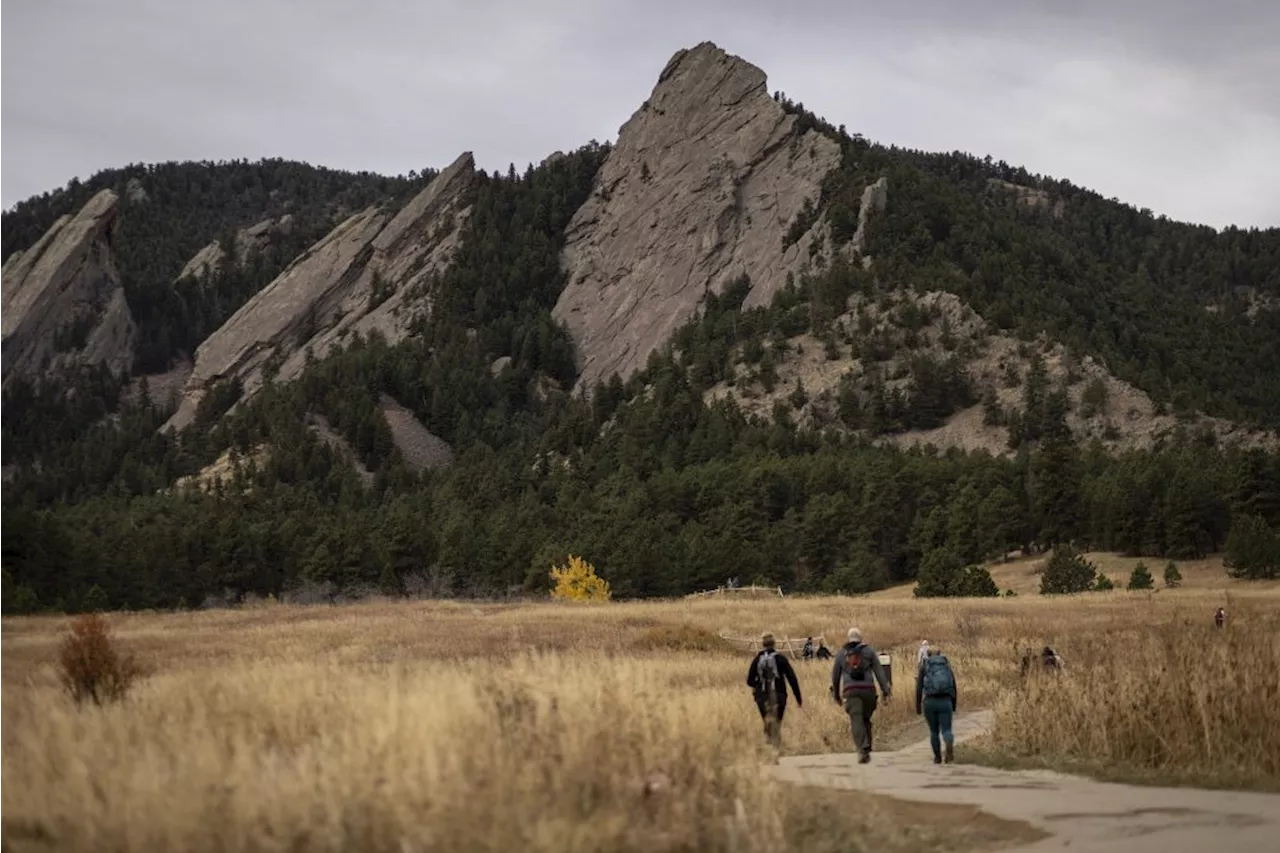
[738, 341]
[63, 302]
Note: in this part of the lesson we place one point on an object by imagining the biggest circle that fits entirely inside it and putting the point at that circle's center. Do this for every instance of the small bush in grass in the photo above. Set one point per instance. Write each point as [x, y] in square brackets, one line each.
[91, 666]
[679, 638]
[1172, 577]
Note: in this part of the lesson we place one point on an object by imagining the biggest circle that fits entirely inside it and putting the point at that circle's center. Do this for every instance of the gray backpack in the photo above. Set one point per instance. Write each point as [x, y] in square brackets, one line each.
[767, 670]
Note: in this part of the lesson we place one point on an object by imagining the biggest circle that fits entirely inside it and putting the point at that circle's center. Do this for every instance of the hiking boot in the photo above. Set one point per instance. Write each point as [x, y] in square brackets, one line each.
[951, 753]
[864, 758]
[937, 759]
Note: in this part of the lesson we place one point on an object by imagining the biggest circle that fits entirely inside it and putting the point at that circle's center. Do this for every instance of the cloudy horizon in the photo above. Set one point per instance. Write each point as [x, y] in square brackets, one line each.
[1164, 105]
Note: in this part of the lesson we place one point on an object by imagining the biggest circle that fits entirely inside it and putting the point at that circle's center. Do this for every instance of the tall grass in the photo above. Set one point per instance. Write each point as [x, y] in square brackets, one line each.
[425, 727]
[1179, 699]
[532, 753]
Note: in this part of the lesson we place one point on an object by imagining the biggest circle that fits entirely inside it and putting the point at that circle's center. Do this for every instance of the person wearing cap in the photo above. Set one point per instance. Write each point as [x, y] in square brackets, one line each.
[922, 652]
[770, 664]
[853, 685]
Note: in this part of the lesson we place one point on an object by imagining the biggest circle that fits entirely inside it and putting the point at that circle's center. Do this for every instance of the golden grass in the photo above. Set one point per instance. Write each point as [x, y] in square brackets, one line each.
[452, 726]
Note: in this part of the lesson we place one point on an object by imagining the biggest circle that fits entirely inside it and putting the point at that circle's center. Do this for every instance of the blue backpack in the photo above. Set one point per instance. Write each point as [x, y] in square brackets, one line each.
[937, 677]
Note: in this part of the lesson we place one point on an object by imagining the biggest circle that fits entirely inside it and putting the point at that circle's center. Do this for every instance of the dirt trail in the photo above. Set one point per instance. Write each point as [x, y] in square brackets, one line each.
[1081, 815]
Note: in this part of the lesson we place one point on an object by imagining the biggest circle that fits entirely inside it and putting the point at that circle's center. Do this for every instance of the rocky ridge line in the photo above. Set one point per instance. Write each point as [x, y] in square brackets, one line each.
[371, 273]
[63, 303]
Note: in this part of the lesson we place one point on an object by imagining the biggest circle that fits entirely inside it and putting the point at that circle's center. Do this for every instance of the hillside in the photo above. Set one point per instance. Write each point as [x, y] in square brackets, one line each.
[710, 349]
[1206, 574]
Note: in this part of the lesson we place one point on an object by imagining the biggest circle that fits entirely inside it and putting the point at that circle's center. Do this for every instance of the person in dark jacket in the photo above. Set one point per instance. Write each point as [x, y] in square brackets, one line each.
[853, 686]
[936, 699]
[770, 666]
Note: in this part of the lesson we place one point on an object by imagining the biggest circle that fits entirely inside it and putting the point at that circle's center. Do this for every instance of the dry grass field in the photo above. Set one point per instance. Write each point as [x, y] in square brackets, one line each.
[425, 726]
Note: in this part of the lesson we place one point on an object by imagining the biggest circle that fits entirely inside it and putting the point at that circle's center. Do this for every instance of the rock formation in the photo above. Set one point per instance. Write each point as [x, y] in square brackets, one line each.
[62, 299]
[368, 274]
[249, 240]
[705, 182]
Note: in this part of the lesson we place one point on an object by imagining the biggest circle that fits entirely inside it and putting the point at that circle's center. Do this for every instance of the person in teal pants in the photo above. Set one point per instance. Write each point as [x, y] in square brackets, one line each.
[936, 699]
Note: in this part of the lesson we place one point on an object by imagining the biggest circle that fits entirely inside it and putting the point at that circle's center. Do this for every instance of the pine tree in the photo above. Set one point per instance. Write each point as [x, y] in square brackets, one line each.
[974, 581]
[1253, 549]
[1140, 577]
[1172, 577]
[95, 600]
[938, 574]
[1067, 571]
[1103, 583]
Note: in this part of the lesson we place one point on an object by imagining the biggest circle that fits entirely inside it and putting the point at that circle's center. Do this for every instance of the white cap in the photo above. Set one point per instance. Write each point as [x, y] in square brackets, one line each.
[855, 636]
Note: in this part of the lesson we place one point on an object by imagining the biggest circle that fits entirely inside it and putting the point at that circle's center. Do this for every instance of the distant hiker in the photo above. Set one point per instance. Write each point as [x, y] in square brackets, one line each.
[852, 685]
[1049, 659]
[807, 651]
[1220, 618]
[936, 699]
[824, 653]
[922, 652]
[768, 677]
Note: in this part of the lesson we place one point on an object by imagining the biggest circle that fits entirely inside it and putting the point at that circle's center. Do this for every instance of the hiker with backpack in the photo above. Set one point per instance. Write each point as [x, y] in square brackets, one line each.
[768, 677]
[853, 686]
[936, 699]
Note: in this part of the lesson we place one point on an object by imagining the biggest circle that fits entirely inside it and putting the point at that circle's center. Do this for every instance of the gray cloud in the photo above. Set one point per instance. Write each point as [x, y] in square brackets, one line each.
[1167, 104]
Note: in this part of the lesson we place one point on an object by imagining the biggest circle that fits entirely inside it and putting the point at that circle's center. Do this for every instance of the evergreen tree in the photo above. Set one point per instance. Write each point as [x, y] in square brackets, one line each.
[1253, 549]
[1172, 577]
[939, 572]
[1067, 571]
[1140, 577]
[975, 581]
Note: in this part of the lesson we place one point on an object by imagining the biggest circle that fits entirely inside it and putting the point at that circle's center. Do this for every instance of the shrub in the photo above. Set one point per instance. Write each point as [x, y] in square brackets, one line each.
[1172, 577]
[975, 581]
[91, 667]
[1141, 578]
[1067, 571]
[1103, 583]
[578, 581]
[679, 638]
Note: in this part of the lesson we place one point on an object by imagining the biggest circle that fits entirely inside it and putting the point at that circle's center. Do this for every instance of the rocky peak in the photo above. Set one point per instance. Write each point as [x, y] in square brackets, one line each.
[371, 273]
[62, 299]
[255, 238]
[703, 186]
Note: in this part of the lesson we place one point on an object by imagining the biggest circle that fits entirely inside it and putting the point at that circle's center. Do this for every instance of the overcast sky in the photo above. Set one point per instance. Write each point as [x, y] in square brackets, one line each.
[1167, 104]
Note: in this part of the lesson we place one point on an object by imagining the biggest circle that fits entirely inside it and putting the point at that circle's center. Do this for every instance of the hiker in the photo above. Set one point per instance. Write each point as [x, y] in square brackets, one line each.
[768, 677]
[824, 653]
[922, 652]
[936, 699]
[1051, 659]
[807, 651]
[1220, 618]
[852, 685]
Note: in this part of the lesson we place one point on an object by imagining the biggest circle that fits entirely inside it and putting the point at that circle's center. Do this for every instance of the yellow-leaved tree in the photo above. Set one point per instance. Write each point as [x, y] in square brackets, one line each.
[578, 581]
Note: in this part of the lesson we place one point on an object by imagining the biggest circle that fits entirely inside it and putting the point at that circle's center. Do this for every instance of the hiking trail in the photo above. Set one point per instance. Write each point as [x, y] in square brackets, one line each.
[1081, 815]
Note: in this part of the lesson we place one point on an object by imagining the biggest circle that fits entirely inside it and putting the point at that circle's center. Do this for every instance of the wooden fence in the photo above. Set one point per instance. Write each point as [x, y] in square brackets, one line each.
[749, 591]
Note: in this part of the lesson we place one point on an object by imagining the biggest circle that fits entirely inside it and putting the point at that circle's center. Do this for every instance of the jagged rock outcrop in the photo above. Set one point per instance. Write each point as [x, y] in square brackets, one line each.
[255, 238]
[371, 273]
[62, 299]
[703, 185]
[874, 198]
